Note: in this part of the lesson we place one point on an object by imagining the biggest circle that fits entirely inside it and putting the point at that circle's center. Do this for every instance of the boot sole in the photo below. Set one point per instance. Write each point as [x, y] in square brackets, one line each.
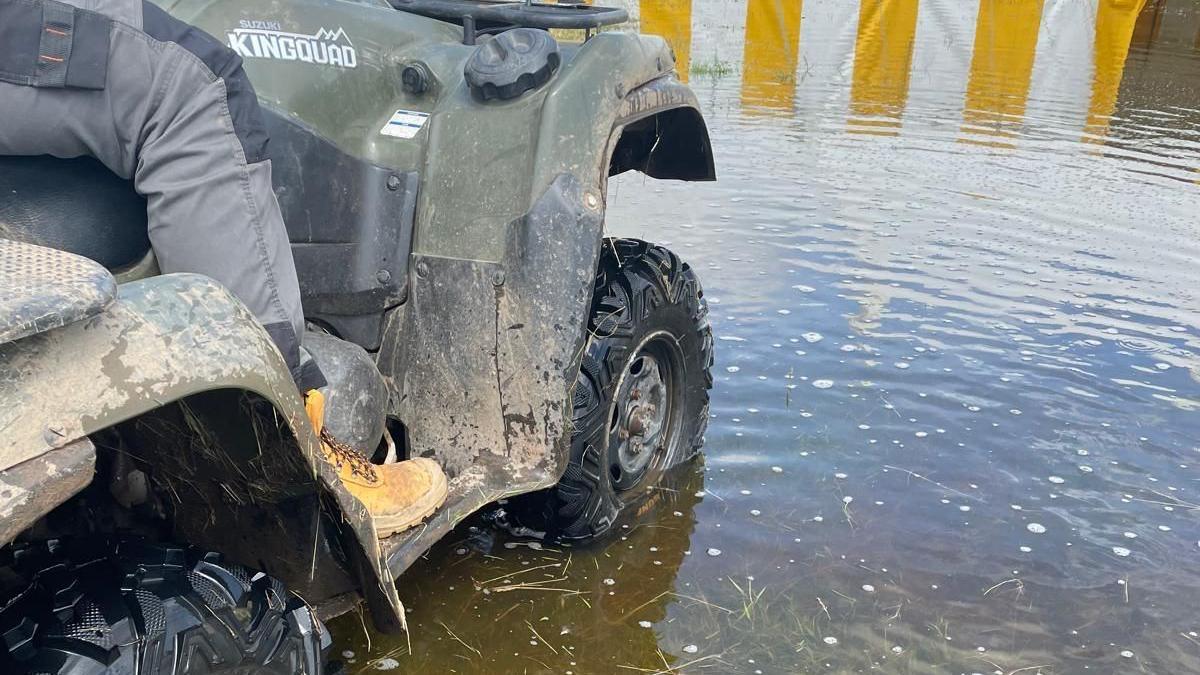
[416, 512]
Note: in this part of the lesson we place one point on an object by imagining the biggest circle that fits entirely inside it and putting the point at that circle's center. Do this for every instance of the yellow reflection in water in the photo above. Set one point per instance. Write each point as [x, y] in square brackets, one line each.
[772, 45]
[1115, 21]
[883, 53]
[1006, 33]
[672, 19]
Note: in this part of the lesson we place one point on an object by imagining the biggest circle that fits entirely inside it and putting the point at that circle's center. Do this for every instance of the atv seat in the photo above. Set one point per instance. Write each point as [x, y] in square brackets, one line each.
[45, 288]
[74, 205]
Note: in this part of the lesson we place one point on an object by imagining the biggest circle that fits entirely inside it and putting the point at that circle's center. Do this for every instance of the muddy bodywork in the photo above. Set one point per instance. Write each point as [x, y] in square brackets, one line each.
[482, 346]
[485, 388]
[191, 372]
[492, 214]
[494, 407]
[33, 488]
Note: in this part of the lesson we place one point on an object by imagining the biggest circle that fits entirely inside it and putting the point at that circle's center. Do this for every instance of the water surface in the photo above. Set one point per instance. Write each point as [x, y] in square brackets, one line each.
[953, 261]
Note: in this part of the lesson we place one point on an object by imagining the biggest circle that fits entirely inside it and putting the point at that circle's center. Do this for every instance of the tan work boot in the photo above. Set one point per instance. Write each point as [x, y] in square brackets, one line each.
[398, 495]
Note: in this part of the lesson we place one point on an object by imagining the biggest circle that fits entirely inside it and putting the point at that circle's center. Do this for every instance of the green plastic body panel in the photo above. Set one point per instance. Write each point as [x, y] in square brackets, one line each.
[482, 164]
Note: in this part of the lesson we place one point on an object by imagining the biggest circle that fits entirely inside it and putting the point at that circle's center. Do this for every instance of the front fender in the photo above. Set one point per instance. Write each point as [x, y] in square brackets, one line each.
[661, 132]
[165, 339]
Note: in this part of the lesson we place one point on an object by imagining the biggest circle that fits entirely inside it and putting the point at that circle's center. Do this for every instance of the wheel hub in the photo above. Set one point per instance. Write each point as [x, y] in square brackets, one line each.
[642, 416]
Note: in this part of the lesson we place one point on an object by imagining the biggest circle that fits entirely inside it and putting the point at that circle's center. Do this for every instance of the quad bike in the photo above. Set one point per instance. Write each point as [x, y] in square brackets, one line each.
[442, 168]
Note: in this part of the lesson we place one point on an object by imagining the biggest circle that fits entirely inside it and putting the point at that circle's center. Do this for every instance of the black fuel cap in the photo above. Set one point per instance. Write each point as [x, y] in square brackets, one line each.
[512, 63]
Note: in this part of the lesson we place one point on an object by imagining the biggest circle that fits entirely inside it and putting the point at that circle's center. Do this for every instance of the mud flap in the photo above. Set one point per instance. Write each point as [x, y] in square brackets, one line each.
[489, 353]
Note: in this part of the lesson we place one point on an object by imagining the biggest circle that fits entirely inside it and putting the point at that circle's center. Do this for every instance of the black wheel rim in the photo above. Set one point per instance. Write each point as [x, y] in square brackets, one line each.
[646, 411]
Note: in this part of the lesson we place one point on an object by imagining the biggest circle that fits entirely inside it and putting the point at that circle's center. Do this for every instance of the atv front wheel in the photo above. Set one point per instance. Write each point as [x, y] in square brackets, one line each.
[150, 609]
[640, 404]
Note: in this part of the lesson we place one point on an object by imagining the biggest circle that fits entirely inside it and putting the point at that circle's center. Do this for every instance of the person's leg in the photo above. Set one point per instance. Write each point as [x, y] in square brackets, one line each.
[167, 105]
[206, 175]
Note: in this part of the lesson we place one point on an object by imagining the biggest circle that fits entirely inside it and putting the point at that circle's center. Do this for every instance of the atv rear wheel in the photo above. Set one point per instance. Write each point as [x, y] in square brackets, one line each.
[640, 404]
[147, 608]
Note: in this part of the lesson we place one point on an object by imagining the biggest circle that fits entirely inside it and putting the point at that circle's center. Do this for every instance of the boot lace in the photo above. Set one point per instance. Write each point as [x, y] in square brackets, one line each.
[345, 455]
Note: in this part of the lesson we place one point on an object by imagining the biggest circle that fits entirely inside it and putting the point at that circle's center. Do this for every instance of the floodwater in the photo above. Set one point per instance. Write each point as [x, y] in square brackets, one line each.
[953, 261]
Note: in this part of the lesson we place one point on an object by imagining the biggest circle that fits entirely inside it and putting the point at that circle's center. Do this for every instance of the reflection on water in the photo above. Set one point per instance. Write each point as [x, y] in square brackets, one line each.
[882, 63]
[771, 49]
[956, 416]
[584, 611]
[1115, 24]
[1006, 36]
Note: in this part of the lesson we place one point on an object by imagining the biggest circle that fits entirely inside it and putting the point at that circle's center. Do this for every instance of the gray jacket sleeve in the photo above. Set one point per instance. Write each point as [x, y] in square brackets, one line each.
[169, 106]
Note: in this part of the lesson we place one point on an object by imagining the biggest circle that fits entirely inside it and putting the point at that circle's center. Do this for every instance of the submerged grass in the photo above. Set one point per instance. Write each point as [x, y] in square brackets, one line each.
[714, 68]
[749, 597]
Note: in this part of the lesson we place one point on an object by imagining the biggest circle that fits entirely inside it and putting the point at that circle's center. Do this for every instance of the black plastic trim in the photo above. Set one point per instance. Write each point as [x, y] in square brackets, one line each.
[351, 227]
[530, 15]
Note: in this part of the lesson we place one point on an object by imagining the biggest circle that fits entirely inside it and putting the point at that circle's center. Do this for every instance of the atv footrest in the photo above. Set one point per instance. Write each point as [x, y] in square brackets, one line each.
[490, 477]
[45, 288]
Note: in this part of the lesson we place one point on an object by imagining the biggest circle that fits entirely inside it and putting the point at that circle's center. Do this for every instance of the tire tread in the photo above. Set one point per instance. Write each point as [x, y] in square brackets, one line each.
[130, 606]
[634, 280]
